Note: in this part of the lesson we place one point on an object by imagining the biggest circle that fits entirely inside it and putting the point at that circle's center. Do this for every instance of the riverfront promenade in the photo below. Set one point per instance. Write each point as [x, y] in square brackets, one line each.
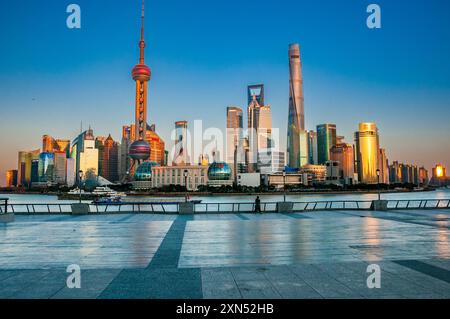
[274, 255]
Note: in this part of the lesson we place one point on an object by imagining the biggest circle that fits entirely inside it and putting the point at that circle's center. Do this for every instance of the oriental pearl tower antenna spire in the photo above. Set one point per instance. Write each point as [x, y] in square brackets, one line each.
[139, 150]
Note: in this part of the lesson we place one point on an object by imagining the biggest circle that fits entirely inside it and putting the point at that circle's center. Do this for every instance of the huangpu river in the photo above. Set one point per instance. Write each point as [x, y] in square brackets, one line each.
[49, 199]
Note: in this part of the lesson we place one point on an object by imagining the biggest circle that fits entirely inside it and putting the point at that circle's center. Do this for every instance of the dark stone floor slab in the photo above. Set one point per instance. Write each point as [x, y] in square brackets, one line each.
[155, 283]
[423, 267]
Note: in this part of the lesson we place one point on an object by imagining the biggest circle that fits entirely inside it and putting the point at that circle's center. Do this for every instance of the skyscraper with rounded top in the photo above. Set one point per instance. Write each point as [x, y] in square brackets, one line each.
[367, 153]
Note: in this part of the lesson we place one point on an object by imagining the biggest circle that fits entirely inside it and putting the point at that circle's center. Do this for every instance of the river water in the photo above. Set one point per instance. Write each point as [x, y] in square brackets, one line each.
[49, 199]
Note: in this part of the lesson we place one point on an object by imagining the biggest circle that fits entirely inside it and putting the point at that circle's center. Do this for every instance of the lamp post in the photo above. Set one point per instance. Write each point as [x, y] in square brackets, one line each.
[80, 177]
[378, 184]
[185, 173]
[284, 185]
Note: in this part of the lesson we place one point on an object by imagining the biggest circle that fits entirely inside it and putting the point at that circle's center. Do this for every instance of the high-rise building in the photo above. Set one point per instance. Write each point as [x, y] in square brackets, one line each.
[157, 146]
[60, 167]
[303, 148]
[140, 149]
[108, 158]
[252, 122]
[326, 139]
[344, 155]
[312, 148]
[270, 162]
[423, 176]
[409, 174]
[296, 119]
[401, 173]
[85, 154]
[11, 178]
[340, 139]
[51, 145]
[46, 168]
[181, 155]
[383, 166]
[24, 167]
[99, 142]
[260, 132]
[21, 169]
[439, 171]
[47, 143]
[124, 162]
[234, 132]
[367, 153]
[255, 91]
[34, 177]
[439, 176]
[333, 172]
[70, 172]
[395, 174]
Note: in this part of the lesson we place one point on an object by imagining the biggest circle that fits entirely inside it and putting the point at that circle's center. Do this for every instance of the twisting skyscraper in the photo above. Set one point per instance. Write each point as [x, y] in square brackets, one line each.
[140, 149]
[296, 121]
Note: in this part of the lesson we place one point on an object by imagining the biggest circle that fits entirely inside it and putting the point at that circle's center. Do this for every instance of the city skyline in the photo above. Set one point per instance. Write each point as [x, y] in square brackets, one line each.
[403, 142]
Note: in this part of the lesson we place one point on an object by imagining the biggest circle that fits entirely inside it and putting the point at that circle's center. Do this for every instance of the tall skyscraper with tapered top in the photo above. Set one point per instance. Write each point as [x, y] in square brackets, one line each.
[140, 149]
[296, 120]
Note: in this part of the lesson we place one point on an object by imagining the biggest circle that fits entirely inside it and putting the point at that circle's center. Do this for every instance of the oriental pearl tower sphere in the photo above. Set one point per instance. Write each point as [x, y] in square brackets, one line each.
[139, 150]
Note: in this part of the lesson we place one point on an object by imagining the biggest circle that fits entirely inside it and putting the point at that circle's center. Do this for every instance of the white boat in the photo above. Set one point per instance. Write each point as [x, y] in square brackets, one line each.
[106, 191]
[76, 191]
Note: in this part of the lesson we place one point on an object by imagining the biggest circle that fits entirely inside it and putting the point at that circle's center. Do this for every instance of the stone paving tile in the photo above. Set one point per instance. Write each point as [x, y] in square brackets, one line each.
[221, 293]
[45, 287]
[325, 285]
[220, 289]
[20, 280]
[261, 289]
[216, 275]
[93, 282]
[248, 274]
[355, 277]
[6, 274]
[295, 289]
[283, 272]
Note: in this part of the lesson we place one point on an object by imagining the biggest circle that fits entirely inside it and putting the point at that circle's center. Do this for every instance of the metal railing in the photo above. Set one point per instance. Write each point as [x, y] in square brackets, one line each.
[419, 204]
[332, 205]
[243, 207]
[3, 205]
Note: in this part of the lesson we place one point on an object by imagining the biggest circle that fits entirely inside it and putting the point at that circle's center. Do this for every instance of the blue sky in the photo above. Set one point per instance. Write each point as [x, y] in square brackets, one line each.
[203, 54]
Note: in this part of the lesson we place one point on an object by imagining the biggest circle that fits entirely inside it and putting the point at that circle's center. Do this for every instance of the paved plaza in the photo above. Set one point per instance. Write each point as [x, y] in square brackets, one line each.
[298, 255]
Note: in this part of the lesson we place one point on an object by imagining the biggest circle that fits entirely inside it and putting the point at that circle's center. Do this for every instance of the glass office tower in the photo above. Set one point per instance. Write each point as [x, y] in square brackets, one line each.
[326, 139]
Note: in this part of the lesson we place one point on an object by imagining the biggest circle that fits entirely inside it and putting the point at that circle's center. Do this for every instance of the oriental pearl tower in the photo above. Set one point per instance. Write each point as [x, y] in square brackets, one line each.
[139, 150]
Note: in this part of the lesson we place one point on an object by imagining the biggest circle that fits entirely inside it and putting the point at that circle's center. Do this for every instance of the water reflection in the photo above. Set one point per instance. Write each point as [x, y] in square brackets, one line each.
[442, 240]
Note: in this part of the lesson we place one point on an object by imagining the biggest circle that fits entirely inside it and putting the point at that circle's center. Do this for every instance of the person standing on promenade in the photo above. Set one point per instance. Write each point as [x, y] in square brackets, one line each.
[257, 205]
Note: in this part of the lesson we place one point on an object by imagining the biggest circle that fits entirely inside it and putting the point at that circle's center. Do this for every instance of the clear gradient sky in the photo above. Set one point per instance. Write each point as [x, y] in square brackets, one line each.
[203, 54]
